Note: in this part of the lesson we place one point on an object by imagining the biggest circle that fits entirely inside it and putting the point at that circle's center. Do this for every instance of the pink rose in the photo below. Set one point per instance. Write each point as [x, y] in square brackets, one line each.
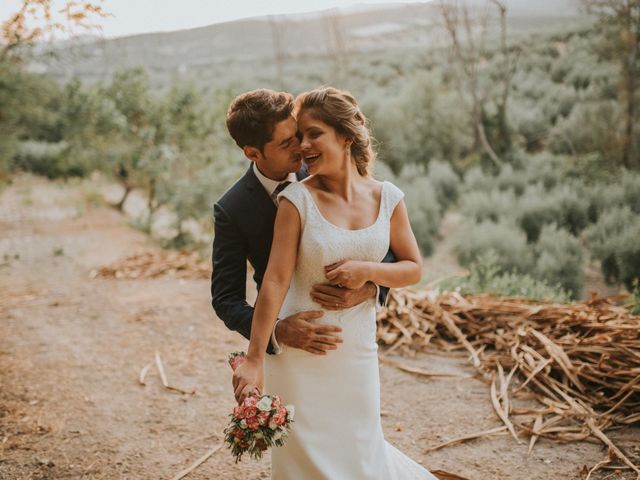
[263, 417]
[249, 412]
[277, 403]
[253, 423]
[239, 433]
[238, 412]
[280, 417]
[250, 401]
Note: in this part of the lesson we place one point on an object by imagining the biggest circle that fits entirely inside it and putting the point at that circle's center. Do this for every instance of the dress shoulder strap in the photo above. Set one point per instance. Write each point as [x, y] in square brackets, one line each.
[391, 196]
[295, 193]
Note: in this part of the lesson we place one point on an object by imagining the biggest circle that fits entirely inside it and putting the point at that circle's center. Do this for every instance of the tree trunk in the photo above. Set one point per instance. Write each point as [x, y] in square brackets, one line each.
[151, 205]
[127, 191]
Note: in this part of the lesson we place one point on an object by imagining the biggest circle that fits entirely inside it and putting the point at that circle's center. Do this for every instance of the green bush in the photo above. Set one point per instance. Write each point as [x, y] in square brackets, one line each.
[623, 191]
[474, 239]
[492, 205]
[559, 260]
[510, 179]
[530, 124]
[562, 206]
[614, 241]
[487, 276]
[52, 160]
[424, 212]
[445, 182]
[544, 168]
[475, 180]
[589, 128]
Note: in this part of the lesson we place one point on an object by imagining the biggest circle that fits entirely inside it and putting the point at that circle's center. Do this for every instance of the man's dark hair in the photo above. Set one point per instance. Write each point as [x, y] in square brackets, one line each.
[252, 116]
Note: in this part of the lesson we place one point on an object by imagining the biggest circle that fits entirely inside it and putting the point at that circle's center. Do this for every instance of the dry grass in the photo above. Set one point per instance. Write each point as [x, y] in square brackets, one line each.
[581, 362]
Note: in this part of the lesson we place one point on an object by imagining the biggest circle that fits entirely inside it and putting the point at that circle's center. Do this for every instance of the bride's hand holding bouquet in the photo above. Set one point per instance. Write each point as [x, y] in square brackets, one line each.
[248, 377]
[259, 421]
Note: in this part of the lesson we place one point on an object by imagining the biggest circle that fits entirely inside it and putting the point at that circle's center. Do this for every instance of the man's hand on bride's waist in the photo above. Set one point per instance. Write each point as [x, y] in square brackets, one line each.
[300, 331]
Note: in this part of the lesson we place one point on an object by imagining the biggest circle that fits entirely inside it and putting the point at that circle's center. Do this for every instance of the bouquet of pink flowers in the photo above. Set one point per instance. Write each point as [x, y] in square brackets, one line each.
[258, 422]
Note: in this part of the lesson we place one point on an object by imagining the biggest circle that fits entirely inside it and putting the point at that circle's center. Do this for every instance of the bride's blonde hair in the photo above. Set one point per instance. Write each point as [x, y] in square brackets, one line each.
[339, 109]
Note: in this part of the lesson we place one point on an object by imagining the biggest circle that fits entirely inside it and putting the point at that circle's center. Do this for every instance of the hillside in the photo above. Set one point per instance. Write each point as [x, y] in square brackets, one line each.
[212, 50]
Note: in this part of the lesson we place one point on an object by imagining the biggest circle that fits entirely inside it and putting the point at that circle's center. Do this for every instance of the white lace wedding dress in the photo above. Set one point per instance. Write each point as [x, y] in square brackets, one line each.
[337, 432]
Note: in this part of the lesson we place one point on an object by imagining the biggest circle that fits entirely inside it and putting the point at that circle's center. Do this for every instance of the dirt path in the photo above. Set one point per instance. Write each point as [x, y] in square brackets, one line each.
[71, 349]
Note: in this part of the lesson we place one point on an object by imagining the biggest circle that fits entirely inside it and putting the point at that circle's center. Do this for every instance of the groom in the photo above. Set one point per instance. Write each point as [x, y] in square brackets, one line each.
[262, 125]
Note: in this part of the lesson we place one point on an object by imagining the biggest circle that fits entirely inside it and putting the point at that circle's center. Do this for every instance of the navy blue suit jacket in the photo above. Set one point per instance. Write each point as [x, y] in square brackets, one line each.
[243, 227]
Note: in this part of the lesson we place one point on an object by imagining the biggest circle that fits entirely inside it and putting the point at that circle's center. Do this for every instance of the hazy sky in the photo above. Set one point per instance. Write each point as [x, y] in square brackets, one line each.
[137, 16]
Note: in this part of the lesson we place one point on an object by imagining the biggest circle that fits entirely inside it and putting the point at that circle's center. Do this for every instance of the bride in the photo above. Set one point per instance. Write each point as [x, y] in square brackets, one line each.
[338, 212]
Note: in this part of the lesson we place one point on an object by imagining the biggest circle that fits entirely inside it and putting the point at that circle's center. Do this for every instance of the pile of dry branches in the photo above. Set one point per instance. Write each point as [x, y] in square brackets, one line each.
[152, 264]
[581, 362]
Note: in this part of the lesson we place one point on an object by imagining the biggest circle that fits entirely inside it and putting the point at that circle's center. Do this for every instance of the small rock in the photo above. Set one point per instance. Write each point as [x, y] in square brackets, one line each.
[44, 461]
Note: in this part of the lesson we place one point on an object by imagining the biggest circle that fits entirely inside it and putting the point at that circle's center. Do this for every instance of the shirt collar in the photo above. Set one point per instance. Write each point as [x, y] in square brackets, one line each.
[268, 184]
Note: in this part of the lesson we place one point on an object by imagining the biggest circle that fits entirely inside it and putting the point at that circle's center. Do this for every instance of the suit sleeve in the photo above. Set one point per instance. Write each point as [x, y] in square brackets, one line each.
[384, 291]
[229, 276]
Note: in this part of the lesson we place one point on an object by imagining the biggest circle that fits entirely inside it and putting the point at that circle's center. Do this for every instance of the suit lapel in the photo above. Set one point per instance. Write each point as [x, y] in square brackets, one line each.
[258, 200]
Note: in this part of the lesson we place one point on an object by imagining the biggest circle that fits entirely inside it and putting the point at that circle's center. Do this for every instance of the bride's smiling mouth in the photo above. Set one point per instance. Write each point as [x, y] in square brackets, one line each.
[310, 158]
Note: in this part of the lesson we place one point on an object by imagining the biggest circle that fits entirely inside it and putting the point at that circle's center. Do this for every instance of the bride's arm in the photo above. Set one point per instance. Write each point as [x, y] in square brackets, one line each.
[276, 282]
[406, 271]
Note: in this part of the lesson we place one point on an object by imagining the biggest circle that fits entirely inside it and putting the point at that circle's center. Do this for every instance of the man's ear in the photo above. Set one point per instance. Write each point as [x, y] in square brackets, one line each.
[252, 153]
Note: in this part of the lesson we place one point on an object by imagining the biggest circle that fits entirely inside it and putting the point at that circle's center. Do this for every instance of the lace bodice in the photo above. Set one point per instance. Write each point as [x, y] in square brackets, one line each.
[323, 243]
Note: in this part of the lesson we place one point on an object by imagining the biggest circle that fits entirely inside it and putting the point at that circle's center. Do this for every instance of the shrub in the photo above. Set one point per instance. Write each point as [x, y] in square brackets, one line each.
[474, 239]
[52, 160]
[510, 179]
[544, 169]
[559, 102]
[605, 196]
[562, 206]
[559, 260]
[492, 205]
[475, 180]
[445, 182]
[614, 241]
[530, 123]
[589, 128]
[485, 277]
[424, 211]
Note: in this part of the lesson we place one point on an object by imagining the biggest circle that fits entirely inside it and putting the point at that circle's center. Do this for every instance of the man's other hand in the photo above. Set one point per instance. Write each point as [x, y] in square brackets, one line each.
[300, 331]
